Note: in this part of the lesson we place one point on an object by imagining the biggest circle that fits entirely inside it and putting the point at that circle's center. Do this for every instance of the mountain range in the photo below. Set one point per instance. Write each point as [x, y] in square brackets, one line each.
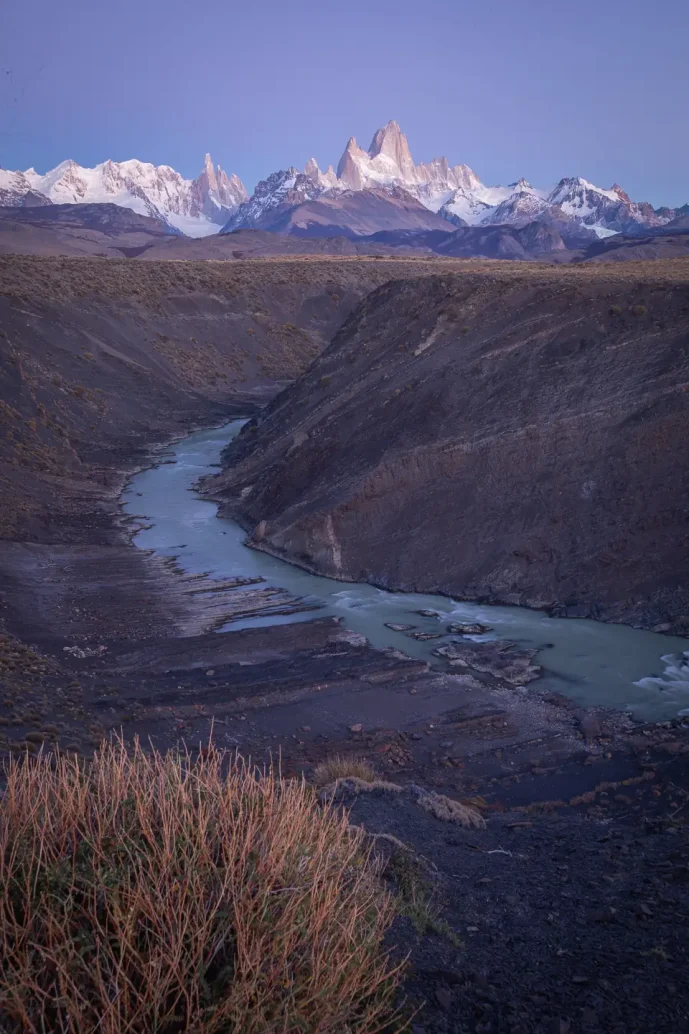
[381, 189]
[195, 207]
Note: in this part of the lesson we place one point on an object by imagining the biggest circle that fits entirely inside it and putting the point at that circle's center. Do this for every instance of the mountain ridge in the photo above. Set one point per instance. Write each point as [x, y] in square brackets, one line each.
[216, 202]
[195, 207]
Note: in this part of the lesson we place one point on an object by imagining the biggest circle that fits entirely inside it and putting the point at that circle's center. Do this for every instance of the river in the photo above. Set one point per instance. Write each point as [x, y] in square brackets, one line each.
[590, 662]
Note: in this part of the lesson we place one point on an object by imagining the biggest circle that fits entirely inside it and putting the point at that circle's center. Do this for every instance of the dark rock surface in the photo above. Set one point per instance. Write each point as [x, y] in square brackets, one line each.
[500, 439]
[503, 659]
[563, 923]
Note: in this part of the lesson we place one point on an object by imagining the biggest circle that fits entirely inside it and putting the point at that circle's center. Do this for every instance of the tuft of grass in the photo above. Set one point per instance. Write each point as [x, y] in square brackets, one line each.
[639, 310]
[325, 380]
[447, 810]
[615, 310]
[341, 767]
[414, 897]
[146, 892]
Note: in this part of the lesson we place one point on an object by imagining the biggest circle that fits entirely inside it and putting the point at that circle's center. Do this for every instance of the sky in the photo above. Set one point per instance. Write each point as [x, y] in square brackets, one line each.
[513, 88]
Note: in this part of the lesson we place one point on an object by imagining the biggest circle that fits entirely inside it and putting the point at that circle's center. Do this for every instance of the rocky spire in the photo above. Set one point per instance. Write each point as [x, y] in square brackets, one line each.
[312, 171]
[209, 173]
[325, 180]
[214, 193]
[391, 142]
[348, 169]
[231, 190]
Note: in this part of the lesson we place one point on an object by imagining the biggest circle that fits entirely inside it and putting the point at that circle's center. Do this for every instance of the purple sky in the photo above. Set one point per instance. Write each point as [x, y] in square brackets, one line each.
[533, 88]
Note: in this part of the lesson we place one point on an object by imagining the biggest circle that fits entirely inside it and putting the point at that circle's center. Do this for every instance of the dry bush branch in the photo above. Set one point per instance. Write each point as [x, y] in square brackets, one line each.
[148, 892]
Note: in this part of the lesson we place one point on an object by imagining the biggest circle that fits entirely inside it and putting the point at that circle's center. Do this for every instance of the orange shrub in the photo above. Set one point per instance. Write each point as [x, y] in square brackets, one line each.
[146, 892]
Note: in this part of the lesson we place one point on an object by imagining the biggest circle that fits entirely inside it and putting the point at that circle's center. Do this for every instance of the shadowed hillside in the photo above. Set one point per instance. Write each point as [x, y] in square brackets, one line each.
[98, 356]
[505, 437]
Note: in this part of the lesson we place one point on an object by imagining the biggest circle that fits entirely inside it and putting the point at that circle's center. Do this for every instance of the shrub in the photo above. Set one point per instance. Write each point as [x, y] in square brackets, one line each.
[339, 767]
[324, 381]
[147, 892]
[639, 310]
[615, 310]
[447, 810]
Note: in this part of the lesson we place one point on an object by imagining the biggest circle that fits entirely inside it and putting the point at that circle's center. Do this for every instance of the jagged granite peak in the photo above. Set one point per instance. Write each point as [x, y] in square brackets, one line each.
[349, 166]
[327, 180]
[217, 195]
[209, 173]
[391, 142]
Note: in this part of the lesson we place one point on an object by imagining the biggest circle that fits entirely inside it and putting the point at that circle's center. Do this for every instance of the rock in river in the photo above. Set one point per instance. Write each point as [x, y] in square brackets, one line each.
[476, 629]
[503, 659]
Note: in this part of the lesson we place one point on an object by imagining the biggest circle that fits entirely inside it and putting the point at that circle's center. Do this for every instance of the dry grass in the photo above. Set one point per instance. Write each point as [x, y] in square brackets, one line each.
[147, 892]
[447, 810]
[352, 787]
[341, 767]
[63, 278]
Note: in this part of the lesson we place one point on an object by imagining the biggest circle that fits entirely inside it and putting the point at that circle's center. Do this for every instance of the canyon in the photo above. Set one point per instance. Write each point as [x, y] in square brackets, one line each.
[499, 431]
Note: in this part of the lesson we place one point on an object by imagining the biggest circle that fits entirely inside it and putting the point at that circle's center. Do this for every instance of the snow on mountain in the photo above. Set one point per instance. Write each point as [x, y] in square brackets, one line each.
[518, 209]
[16, 190]
[388, 162]
[214, 199]
[283, 190]
[326, 180]
[457, 194]
[196, 207]
[606, 209]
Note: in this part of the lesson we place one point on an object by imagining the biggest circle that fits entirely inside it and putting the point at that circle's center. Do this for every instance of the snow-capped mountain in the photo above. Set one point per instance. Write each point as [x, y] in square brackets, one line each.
[612, 209]
[455, 192]
[196, 207]
[282, 191]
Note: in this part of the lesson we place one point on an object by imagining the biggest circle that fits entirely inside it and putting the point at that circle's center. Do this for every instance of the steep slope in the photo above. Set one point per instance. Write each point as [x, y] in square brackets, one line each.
[273, 198]
[97, 357]
[515, 438]
[78, 230]
[666, 243]
[294, 203]
[357, 214]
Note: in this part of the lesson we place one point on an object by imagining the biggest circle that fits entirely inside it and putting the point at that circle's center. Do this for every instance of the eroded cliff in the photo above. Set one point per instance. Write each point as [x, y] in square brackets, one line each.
[519, 439]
